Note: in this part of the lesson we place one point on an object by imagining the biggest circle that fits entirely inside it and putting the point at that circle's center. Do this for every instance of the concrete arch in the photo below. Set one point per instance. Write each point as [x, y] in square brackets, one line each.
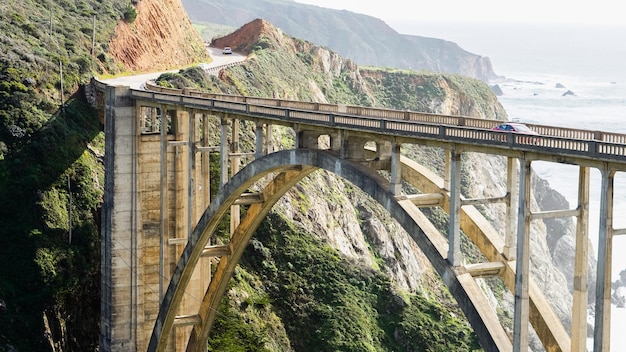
[289, 167]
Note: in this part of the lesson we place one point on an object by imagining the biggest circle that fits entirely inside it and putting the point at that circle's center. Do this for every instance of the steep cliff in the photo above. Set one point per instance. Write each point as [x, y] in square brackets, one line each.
[160, 37]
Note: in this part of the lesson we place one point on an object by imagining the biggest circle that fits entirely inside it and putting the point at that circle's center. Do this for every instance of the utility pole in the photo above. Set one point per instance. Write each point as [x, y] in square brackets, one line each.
[93, 45]
[62, 95]
[69, 191]
[93, 37]
[50, 32]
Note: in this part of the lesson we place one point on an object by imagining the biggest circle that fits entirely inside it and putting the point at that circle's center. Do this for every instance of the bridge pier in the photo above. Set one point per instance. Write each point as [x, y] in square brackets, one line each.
[119, 262]
[154, 193]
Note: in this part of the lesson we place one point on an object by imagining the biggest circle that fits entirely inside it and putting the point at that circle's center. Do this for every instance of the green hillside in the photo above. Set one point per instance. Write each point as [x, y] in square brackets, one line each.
[50, 171]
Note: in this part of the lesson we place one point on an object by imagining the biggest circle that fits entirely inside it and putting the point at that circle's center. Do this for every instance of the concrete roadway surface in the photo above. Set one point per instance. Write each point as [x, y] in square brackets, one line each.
[137, 81]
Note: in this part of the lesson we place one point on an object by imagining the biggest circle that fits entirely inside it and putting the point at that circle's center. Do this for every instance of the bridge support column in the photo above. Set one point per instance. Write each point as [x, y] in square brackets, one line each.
[512, 188]
[263, 140]
[191, 167]
[454, 222]
[602, 329]
[396, 170]
[260, 141]
[164, 200]
[446, 173]
[522, 265]
[268, 138]
[205, 164]
[336, 141]
[224, 151]
[235, 160]
[579, 309]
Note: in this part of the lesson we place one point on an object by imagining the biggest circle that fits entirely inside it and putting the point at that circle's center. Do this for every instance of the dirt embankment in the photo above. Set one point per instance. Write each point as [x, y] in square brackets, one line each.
[161, 37]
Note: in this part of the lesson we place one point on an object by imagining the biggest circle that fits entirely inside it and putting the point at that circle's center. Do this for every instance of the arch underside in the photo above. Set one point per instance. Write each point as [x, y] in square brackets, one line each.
[285, 169]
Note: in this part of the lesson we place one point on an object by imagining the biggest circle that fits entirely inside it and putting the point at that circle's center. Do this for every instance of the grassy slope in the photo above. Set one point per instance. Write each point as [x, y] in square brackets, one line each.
[49, 153]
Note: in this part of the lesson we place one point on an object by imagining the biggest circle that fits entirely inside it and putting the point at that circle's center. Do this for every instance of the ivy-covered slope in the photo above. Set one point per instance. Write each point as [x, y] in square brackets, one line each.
[50, 172]
[51, 176]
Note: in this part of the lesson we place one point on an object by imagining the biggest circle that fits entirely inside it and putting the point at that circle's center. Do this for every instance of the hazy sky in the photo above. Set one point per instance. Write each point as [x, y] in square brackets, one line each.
[533, 11]
[513, 34]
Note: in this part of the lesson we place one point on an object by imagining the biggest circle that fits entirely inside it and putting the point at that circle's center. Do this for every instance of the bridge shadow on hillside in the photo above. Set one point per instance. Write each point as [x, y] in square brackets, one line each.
[37, 259]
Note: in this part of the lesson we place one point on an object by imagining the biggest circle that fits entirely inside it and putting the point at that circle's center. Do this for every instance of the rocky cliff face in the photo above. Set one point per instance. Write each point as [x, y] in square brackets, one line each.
[161, 37]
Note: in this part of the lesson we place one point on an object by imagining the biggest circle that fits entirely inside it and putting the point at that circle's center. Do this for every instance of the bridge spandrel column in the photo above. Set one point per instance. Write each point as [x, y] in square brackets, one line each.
[602, 327]
[224, 151]
[204, 177]
[579, 308]
[446, 173]
[385, 150]
[512, 187]
[235, 214]
[522, 266]
[454, 222]
[260, 141]
[269, 138]
[335, 141]
[396, 170]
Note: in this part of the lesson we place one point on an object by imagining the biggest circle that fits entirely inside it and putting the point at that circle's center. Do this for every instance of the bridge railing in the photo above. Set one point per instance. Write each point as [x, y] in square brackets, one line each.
[450, 120]
[552, 140]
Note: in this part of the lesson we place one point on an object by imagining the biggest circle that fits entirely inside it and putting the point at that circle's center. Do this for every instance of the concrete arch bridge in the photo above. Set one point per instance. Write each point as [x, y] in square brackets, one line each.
[158, 216]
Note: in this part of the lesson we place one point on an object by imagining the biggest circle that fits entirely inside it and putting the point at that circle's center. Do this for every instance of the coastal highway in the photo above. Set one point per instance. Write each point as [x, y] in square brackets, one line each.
[137, 81]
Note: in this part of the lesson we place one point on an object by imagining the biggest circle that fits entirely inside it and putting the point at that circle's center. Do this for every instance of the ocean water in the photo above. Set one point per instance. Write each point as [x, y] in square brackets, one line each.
[533, 59]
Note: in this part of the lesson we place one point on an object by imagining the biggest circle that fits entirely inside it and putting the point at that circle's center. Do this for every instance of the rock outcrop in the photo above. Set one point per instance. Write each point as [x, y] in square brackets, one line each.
[497, 90]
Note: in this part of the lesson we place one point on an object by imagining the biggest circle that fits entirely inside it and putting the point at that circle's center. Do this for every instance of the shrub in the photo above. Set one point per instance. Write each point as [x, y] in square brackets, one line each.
[130, 13]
